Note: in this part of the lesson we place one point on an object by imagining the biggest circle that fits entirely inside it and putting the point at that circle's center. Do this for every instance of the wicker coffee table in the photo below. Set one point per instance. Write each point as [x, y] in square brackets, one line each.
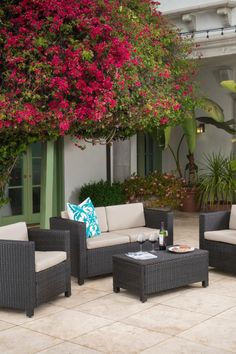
[167, 271]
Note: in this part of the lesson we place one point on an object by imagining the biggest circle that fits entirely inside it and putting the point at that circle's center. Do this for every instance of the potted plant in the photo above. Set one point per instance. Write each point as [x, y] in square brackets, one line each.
[189, 125]
[190, 201]
[217, 183]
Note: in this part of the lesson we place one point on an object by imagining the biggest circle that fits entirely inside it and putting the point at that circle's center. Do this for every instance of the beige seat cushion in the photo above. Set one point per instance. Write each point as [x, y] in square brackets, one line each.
[125, 216]
[106, 239]
[232, 220]
[102, 218]
[47, 259]
[133, 233]
[227, 236]
[17, 232]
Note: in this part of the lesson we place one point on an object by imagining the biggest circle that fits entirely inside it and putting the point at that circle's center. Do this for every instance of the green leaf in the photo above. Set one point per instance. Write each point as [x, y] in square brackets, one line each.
[229, 84]
[41, 42]
[233, 165]
[87, 55]
[189, 126]
[212, 108]
[167, 134]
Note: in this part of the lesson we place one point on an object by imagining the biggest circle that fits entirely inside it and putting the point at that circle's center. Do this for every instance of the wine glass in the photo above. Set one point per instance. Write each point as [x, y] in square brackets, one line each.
[141, 239]
[153, 239]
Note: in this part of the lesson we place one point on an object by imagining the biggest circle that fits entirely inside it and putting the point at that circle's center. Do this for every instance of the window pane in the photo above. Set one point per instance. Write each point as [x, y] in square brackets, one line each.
[36, 170]
[36, 200]
[17, 174]
[36, 149]
[15, 205]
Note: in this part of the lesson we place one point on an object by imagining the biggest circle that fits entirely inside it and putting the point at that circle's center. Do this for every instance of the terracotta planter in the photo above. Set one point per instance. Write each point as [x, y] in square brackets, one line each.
[190, 202]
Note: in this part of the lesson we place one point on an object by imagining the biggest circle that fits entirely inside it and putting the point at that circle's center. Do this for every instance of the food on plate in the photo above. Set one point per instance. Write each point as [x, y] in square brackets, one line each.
[181, 249]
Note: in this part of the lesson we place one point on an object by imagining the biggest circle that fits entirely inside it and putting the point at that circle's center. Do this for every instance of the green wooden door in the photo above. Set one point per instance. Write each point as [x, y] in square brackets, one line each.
[24, 189]
[149, 155]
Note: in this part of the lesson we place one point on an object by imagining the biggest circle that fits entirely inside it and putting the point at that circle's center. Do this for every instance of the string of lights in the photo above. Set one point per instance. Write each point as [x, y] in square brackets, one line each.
[207, 32]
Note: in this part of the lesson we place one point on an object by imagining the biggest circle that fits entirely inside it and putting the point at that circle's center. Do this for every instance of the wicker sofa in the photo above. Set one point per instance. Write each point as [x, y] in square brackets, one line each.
[120, 226]
[217, 233]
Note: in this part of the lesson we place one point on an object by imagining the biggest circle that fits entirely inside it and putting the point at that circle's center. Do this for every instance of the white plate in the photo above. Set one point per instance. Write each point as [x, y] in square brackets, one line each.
[181, 249]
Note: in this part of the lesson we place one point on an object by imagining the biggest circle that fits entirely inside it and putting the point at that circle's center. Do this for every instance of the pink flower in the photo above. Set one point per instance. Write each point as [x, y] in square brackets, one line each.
[164, 120]
[177, 106]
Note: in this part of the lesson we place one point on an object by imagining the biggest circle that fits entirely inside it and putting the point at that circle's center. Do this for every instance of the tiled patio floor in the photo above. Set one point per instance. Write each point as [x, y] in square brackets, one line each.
[95, 320]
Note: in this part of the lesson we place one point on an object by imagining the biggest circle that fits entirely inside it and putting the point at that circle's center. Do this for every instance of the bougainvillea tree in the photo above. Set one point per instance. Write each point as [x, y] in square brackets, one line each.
[88, 68]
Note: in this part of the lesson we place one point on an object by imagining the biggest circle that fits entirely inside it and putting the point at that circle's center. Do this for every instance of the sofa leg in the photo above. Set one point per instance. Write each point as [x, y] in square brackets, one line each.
[29, 312]
[68, 293]
[81, 281]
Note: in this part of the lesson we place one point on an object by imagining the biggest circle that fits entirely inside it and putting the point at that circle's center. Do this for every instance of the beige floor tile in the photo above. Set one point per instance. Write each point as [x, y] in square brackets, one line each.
[186, 241]
[229, 315]
[121, 338]
[17, 317]
[67, 324]
[69, 348]
[215, 332]
[215, 276]
[224, 287]
[78, 297]
[74, 284]
[202, 300]
[181, 346]
[23, 341]
[165, 319]
[104, 283]
[114, 306]
[5, 325]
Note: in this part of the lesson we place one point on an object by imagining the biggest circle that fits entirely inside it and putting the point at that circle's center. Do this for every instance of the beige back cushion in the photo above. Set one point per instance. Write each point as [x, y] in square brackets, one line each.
[125, 216]
[232, 220]
[16, 232]
[102, 218]
[64, 214]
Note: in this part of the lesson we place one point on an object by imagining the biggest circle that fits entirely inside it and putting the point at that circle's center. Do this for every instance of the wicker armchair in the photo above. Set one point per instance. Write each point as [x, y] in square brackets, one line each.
[21, 285]
[220, 244]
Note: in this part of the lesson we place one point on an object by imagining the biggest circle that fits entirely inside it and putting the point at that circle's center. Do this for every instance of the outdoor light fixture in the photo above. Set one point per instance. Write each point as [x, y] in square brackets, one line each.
[200, 128]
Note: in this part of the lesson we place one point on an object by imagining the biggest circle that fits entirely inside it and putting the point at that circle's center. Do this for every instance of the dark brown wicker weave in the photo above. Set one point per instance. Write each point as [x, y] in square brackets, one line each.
[167, 271]
[221, 255]
[20, 286]
[87, 263]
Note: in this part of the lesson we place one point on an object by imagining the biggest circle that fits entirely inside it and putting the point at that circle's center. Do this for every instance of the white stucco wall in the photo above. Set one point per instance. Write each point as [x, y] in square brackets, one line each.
[124, 158]
[82, 166]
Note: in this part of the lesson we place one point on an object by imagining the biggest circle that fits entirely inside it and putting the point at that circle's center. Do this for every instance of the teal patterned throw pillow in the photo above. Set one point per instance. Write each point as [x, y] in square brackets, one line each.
[85, 212]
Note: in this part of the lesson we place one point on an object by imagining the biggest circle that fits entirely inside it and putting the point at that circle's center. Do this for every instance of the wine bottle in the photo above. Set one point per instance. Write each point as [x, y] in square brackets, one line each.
[162, 237]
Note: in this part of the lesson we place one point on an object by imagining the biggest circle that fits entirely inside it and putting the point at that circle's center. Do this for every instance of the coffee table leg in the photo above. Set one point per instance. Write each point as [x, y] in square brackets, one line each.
[116, 289]
[205, 283]
[143, 298]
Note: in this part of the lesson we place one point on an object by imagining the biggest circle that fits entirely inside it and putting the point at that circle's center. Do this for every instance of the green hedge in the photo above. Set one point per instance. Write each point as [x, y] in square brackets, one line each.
[103, 193]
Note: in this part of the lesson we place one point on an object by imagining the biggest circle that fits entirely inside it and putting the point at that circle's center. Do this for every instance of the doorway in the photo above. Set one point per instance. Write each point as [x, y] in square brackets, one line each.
[24, 188]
